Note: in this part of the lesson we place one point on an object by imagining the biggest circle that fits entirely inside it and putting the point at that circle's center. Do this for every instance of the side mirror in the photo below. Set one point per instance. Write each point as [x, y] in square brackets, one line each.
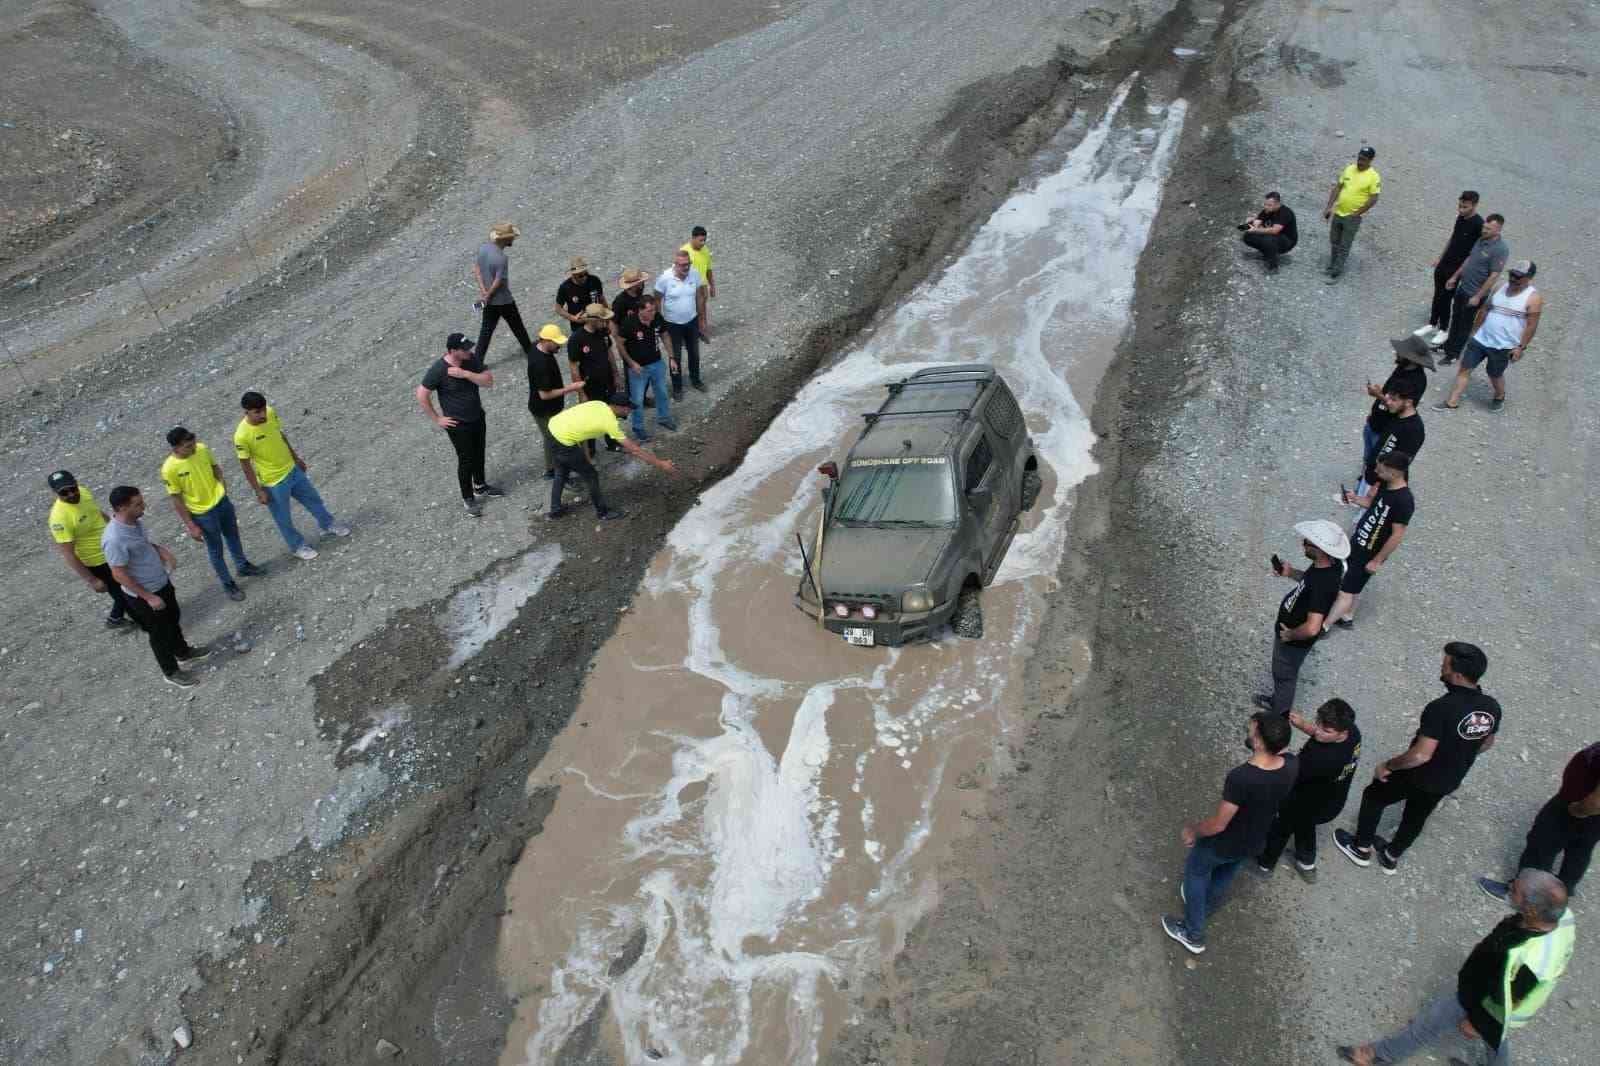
[829, 470]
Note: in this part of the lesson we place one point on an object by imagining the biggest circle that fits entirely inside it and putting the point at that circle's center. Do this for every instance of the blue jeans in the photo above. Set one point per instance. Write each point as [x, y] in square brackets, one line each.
[1435, 1022]
[1206, 876]
[654, 374]
[295, 485]
[220, 526]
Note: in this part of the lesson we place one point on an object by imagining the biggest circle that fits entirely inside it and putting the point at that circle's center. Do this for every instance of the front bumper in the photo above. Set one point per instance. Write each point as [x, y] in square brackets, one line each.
[904, 628]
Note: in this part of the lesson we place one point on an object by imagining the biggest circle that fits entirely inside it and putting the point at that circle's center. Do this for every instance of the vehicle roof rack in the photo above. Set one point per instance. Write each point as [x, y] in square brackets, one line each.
[873, 416]
[946, 378]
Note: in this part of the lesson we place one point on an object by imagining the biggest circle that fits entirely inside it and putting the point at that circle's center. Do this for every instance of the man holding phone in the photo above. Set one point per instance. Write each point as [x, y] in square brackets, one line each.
[1303, 610]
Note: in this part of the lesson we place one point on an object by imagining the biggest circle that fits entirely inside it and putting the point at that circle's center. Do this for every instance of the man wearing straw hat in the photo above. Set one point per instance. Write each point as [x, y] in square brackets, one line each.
[575, 294]
[589, 352]
[1303, 610]
[625, 304]
[493, 271]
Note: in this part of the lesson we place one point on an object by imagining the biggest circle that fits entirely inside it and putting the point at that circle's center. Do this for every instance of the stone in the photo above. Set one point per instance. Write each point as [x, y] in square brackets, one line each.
[182, 1036]
[386, 1050]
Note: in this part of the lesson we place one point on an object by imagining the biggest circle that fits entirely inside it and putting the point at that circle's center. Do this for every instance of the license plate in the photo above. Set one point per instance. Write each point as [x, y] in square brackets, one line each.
[859, 636]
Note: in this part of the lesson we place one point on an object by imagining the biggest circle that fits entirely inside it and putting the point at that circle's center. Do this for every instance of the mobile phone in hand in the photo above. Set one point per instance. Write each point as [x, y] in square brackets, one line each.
[1277, 564]
[1344, 493]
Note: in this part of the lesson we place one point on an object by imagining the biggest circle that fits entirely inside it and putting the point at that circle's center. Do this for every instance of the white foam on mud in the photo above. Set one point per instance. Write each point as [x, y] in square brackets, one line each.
[739, 891]
[479, 612]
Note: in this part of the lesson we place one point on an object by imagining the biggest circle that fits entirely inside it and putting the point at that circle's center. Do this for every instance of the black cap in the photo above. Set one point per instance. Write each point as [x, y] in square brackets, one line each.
[457, 342]
[177, 435]
[61, 480]
[1368, 152]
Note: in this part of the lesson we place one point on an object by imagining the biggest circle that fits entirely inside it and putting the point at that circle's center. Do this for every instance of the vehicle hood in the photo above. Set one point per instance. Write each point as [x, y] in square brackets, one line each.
[858, 559]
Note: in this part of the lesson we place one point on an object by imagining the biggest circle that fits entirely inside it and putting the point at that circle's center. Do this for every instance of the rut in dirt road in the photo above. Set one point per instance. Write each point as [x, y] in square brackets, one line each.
[756, 797]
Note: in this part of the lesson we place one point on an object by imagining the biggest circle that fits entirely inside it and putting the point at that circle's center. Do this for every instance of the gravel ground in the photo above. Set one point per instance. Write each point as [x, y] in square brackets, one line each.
[155, 839]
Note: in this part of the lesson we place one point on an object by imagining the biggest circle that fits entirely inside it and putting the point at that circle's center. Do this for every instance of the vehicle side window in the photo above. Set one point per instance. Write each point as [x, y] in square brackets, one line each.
[978, 464]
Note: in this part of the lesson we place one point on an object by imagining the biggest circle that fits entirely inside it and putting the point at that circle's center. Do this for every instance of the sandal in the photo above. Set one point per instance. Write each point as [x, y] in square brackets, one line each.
[1442, 406]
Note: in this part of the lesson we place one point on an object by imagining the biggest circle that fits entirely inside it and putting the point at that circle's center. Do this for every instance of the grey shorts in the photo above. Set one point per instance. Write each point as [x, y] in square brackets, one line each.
[1475, 353]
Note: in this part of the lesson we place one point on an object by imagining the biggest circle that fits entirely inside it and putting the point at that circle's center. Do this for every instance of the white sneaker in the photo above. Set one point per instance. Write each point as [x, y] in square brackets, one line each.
[1439, 337]
[1421, 330]
[306, 552]
[339, 530]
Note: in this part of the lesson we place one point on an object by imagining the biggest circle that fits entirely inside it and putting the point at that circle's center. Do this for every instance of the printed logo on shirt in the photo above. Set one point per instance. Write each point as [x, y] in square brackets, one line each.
[1476, 725]
[1349, 770]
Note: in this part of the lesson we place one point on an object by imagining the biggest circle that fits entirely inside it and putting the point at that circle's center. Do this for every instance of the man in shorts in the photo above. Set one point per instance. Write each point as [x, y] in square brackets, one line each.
[1379, 531]
[1501, 334]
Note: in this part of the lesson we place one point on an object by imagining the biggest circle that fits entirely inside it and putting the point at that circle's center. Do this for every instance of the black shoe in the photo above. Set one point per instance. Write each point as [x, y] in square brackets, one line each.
[1445, 360]
[1389, 863]
[549, 475]
[559, 512]
[1262, 700]
[697, 385]
[612, 446]
[1346, 842]
[116, 621]
[234, 592]
[1272, 268]
[488, 490]
[180, 680]
[1346, 623]
[611, 514]
[1262, 871]
[195, 655]
[649, 401]
[474, 508]
[677, 393]
[251, 570]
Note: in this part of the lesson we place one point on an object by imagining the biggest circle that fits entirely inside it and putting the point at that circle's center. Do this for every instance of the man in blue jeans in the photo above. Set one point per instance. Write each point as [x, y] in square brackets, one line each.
[277, 474]
[641, 352]
[194, 484]
[1251, 794]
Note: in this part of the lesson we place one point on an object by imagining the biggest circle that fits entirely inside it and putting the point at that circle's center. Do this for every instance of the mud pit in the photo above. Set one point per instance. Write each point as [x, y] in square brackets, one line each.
[762, 802]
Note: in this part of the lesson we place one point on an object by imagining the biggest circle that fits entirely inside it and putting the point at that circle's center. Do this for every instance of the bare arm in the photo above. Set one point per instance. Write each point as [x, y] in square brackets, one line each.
[185, 517]
[711, 282]
[1483, 290]
[425, 401]
[301, 463]
[1309, 628]
[486, 290]
[550, 394]
[75, 564]
[126, 580]
[1529, 327]
[1368, 206]
[1333, 198]
[1210, 827]
[633, 449]
[1302, 723]
[1421, 751]
[577, 377]
[484, 379]
[1396, 535]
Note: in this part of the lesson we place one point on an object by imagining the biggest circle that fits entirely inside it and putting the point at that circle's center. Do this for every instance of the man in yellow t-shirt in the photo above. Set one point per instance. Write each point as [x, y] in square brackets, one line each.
[1352, 196]
[581, 423]
[700, 259]
[277, 474]
[76, 523]
[194, 485]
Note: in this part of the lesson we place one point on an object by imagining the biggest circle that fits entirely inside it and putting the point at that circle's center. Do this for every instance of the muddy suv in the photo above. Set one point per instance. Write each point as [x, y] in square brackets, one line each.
[920, 517]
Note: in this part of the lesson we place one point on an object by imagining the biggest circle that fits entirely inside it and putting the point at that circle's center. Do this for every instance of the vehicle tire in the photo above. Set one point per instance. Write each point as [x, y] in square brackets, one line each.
[968, 618]
[1031, 484]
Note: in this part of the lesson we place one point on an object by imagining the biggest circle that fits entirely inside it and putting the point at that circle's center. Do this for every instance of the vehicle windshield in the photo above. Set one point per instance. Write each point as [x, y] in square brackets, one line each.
[910, 490]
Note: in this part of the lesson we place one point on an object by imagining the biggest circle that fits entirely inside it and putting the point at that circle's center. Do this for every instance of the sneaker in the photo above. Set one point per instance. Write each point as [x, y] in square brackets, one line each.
[1182, 895]
[1177, 931]
[1389, 863]
[1308, 874]
[234, 592]
[1439, 337]
[611, 514]
[698, 386]
[1261, 871]
[677, 393]
[1423, 331]
[473, 508]
[195, 655]
[338, 530]
[308, 553]
[488, 490]
[1262, 700]
[1442, 405]
[1500, 890]
[180, 680]
[549, 475]
[1346, 842]
[251, 570]
[667, 424]
[1346, 623]
[1497, 403]
[559, 512]
[1446, 360]
[116, 621]
[641, 436]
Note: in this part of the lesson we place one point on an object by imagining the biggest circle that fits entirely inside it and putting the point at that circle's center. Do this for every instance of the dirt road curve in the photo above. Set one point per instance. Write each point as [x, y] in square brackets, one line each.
[368, 826]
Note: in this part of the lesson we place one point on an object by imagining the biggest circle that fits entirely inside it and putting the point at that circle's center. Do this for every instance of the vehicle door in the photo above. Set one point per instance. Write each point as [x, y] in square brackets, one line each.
[988, 496]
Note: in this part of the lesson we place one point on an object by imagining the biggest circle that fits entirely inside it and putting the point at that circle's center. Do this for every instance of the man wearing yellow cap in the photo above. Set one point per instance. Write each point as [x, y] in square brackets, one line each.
[547, 393]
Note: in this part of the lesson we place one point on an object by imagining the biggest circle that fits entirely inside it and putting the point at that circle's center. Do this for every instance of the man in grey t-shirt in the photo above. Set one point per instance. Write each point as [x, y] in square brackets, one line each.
[1472, 283]
[142, 569]
[492, 269]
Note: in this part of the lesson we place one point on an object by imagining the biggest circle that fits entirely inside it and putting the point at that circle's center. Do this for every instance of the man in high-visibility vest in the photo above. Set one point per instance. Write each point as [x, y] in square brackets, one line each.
[1503, 983]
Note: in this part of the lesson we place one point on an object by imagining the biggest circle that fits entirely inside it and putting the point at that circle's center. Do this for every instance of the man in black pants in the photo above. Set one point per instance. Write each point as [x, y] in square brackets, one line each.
[143, 570]
[1472, 283]
[456, 377]
[547, 393]
[1567, 825]
[493, 273]
[1456, 728]
[578, 425]
[1327, 766]
[589, 351]
[1271, 231]
[1464, 233]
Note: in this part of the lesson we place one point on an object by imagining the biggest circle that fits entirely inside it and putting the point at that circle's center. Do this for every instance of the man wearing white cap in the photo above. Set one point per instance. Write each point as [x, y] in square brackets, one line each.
[1303, 610]
[1501, 334]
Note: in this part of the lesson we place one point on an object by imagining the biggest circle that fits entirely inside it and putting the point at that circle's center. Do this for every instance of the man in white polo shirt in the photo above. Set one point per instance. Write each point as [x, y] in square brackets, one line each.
[683, 303]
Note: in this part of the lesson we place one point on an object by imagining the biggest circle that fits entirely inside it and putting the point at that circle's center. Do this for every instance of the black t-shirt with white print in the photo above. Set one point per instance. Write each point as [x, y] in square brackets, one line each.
[1390, 508]
[1460, 720]
[1400, 434]
[574, 296]
[1314, 593]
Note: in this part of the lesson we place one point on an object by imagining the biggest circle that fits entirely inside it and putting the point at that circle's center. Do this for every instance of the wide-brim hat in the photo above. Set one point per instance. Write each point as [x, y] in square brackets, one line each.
[1413, 349]
[551, 332]
[577, 265]
[631, 277]
[1325, 535]
[597, 313]
[501, 230]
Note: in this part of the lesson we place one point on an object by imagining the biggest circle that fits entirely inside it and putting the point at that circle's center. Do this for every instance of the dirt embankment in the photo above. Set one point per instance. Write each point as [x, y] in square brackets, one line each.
[372, 937]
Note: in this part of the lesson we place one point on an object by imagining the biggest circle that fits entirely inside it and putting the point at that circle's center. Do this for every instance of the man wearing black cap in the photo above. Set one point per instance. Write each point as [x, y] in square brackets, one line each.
[457, 376]
[1456, 728]
[1501, 334]
[1352, 196]
[580, 424]
[1378, 533]
[76, 523]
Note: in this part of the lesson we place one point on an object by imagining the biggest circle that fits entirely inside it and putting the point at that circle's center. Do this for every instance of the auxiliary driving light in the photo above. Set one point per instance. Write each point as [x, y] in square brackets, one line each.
[842, 610]
[869, 611]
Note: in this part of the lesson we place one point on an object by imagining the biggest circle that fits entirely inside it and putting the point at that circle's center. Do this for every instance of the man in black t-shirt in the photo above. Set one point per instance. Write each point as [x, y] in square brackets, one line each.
[1304, 608]
[1327, 765]
[547, 393]
[1402, 431]
[1271, 231]
[576, 293]
[641, 352]
[1465, 230]
[1412, 360]
[1456, 728]
[1250, 796]
[589, 353]
[456, 377]
[1378, 533]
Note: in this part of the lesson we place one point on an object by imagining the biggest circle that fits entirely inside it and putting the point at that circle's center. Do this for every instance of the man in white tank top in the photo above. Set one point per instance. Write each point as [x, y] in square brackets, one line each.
[1501, 334]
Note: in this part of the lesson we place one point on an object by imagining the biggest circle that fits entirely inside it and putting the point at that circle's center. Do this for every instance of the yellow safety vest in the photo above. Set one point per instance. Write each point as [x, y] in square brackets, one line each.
[1547, 957]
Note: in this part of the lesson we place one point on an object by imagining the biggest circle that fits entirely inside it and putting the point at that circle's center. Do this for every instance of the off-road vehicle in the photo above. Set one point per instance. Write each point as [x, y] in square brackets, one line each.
[919, 518]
